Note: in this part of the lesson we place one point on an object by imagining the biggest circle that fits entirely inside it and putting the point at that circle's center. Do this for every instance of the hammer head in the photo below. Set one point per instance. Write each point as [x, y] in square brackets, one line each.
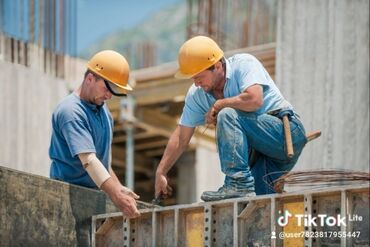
[157, 201]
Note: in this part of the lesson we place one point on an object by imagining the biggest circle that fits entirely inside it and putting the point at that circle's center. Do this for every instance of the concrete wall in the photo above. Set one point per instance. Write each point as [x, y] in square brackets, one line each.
[208, 174]
[27, 100]
[323, 70]
[36, 211]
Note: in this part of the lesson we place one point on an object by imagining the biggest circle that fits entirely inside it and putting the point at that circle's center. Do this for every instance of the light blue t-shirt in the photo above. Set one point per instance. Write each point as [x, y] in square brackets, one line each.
[78, 127]
[242, 71]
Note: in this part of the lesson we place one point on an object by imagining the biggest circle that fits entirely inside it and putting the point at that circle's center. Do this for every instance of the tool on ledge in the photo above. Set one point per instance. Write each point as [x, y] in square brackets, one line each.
[158, 200]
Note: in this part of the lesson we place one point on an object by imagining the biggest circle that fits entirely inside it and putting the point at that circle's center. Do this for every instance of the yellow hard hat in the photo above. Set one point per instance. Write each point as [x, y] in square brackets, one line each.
[113, 68]
[197, 54]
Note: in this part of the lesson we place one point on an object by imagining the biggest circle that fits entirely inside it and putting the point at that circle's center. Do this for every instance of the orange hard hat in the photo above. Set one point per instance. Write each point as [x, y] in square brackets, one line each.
[113, 68]
[196, 55]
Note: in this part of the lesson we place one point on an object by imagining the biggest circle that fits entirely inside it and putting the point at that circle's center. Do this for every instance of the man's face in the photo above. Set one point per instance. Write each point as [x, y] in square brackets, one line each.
[209, 79]
[99, 92]
[205, 80]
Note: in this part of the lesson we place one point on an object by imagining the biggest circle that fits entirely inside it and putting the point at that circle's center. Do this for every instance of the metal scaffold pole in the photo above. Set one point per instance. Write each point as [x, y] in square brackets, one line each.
[128, 105]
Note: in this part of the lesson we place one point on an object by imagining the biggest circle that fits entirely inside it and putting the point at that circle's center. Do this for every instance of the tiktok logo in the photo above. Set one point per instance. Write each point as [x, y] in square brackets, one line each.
[283, 220]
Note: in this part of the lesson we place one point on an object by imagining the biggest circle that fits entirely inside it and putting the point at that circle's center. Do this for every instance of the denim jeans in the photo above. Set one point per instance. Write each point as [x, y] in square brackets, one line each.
[237, 131]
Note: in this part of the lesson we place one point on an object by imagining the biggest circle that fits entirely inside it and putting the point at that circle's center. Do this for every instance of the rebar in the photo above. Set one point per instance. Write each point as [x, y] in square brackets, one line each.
[321, 177]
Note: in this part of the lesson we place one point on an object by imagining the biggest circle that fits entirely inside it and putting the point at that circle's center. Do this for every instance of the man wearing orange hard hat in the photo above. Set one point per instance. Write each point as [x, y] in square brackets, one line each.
[239, 97]
[82, 131]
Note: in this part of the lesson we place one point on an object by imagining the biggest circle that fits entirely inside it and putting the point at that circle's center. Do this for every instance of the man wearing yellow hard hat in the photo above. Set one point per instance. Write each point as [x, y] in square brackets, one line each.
[82, 131]
[239, 97]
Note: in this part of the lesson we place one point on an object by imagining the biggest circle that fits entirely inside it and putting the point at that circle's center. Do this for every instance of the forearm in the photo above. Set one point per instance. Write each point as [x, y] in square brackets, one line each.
[112, 187]
[113, 175]
[175, 147]
[94, 168]
[244, 102]
[171, 154]
[123, 198]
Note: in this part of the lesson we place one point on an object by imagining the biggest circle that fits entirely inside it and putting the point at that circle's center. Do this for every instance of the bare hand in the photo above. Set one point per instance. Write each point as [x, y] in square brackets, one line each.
[126, 203]
[129, 192]
[162, 189]
[211, 116]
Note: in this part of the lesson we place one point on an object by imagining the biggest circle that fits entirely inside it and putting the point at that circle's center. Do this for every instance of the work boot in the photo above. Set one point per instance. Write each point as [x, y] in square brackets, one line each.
[226, 192]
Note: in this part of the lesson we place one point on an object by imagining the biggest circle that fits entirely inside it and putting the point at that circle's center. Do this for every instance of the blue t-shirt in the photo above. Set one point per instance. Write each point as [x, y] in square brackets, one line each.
[78, 127]
[242, 71]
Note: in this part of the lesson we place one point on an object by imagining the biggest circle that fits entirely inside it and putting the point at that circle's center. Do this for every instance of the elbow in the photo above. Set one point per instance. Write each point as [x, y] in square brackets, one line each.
[257, 104]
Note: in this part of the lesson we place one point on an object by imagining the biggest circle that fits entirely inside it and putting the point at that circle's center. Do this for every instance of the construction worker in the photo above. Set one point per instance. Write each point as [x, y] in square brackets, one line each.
[239, 97]
[82, 131]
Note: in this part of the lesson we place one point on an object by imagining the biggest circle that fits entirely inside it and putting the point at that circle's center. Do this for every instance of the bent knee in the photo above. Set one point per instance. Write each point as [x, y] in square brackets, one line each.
[226, 112]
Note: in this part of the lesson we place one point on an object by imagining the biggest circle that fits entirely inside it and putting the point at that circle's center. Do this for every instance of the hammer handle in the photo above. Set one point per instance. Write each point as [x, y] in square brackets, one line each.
[288, 137]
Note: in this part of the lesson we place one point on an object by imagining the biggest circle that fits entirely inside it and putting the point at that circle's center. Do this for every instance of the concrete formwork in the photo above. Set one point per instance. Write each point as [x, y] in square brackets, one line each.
[246, 221]
[322, 68]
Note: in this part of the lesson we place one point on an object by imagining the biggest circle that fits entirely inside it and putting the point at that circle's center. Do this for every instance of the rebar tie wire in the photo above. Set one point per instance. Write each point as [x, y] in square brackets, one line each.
[314, 178]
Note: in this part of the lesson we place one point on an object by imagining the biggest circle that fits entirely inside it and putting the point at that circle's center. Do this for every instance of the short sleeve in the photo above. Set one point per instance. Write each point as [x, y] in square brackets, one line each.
[191, 117]
[250, 72]
[78, 137]
[196, 106]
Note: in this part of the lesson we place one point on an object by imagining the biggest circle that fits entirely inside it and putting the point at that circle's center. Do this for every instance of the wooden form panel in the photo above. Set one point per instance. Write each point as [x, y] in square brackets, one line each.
[248, 221]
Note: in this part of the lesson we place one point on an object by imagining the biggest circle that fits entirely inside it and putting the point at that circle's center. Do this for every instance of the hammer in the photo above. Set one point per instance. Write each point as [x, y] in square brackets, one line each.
[288, 136]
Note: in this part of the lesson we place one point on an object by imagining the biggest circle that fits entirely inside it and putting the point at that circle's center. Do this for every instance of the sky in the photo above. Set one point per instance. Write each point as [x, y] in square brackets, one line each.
[97, 18]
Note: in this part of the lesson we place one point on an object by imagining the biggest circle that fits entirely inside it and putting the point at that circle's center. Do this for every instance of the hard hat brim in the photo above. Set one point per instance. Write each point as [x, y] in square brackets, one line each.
[180, 75]
[116, 89]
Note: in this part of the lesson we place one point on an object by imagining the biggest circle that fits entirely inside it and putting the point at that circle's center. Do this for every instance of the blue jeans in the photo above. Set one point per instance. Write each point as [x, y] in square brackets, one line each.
[238, 131]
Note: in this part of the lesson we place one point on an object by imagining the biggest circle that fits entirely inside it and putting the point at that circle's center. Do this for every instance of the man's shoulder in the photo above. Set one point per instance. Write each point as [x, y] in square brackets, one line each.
[240, 57]
[195, 92]
[69, 108]
[243, 62]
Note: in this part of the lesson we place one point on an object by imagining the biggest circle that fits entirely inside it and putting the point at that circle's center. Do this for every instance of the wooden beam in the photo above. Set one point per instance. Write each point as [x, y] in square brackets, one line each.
[155, 152]
[169, 89]
[105, 227]
[138, 136]
[150, 145]
[119, 153]
[142, 168]
[156, 119]
[157, 72]
[156, 129]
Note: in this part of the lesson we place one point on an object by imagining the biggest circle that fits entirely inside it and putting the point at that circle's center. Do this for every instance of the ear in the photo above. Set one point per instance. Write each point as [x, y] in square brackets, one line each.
[218, 65]
[90, 77]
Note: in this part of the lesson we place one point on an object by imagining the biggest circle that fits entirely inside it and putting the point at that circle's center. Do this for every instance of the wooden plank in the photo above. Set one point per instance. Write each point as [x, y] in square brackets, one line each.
[151, 145]
[139, 136]
[248, 210]
[105, 227]
[156, 152]
[142, 168]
